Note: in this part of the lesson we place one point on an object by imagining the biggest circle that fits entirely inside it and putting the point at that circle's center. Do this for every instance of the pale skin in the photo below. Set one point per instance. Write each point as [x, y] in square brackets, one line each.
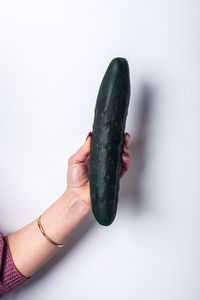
[30, 250]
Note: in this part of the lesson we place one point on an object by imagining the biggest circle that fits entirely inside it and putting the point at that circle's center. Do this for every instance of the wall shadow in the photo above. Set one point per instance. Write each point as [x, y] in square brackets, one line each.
[132, 185]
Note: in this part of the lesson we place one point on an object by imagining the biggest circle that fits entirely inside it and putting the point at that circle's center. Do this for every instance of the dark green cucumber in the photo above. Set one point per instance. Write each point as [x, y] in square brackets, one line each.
[107, 140]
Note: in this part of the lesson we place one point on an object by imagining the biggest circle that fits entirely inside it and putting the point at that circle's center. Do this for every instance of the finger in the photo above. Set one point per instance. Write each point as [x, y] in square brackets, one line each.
[126, 150]
[126, 139]
[124, 168]
[123, 171]
[126, 161]
[82, 153]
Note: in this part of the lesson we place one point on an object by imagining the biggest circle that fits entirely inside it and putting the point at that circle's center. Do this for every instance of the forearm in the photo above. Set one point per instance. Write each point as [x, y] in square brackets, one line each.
[30, 249]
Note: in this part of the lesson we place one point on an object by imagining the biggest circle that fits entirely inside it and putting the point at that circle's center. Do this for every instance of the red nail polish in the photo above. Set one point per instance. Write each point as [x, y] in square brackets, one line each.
[125, 154]
[89, 134]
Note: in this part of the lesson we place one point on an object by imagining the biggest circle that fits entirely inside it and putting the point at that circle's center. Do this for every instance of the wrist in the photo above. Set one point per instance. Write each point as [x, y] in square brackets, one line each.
[63, 216]
[74, 199]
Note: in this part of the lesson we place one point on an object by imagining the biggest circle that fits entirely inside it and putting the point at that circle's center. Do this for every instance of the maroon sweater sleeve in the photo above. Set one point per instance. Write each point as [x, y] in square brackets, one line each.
[10, 277]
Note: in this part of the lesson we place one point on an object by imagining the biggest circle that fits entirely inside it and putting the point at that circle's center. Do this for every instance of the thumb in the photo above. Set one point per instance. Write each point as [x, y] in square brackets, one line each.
[82, 153]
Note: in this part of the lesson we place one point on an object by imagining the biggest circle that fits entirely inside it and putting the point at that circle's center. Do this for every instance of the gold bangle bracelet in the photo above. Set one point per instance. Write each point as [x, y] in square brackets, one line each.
[46, 236]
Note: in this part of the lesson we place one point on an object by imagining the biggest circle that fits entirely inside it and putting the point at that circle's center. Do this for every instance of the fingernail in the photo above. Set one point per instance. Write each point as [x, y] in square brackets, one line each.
[128, 134]
[89, 134]
[125, 154]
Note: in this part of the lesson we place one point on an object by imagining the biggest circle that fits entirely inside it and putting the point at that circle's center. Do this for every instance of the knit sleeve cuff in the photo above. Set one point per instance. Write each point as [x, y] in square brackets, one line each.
[10, 276]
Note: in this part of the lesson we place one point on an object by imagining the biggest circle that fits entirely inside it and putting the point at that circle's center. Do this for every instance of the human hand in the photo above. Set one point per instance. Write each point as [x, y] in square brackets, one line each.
[78, 169]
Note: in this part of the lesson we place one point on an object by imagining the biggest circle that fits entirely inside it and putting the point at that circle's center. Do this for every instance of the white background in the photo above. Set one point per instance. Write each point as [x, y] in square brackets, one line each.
[53, 55]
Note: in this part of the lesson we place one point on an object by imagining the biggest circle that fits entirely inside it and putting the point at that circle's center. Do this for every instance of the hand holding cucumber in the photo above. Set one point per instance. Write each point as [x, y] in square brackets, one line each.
[78, 169]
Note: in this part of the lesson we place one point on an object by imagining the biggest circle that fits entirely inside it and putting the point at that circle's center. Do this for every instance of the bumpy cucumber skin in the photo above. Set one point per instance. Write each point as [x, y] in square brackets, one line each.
[110, 115]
